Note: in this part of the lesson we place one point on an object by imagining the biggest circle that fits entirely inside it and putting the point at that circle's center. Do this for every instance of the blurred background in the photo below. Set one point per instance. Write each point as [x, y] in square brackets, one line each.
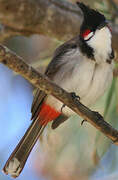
[72, 151]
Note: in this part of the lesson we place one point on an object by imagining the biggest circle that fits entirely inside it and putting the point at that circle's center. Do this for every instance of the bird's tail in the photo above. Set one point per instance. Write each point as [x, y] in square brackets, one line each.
[17, 159]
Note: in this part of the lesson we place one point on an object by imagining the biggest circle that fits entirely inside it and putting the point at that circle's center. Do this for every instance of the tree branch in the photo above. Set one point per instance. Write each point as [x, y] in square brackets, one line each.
[16, 63]
[7, 32]
[57, 19]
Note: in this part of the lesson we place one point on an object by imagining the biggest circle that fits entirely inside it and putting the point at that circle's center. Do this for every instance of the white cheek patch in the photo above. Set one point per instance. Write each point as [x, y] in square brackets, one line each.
[101, 43]
[88, 36]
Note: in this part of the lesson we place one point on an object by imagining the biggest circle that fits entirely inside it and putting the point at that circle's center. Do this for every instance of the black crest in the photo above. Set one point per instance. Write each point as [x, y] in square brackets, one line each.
[92, 18]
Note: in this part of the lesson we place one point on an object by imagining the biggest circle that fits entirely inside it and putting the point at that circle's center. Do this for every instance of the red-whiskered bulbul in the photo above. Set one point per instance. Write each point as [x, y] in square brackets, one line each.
[83, 65]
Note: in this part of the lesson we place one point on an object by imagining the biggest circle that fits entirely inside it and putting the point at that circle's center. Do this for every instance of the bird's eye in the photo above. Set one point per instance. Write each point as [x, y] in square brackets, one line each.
[87, 34]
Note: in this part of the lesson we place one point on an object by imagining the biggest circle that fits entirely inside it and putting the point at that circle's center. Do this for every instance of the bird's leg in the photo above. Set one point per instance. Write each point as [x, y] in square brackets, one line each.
[73, 95]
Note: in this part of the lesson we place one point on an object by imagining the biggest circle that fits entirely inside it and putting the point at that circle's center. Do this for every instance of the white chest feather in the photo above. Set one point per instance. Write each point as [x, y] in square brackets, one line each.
[101, 43]
[83, 76]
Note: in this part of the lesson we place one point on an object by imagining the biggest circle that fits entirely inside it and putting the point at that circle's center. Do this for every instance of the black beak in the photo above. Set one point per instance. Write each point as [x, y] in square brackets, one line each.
[103, 24]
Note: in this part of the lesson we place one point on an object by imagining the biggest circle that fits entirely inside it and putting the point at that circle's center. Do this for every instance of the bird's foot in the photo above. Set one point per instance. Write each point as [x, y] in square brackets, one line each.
[74, 96]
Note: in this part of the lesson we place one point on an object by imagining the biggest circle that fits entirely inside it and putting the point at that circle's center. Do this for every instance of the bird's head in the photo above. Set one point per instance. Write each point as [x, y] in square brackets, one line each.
[95, 31]
[93, 21]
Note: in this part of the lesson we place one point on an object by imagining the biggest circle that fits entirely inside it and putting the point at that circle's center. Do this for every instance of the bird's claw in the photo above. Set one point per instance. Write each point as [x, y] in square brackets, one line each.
[62, 107]
[83, 122]
[73, 95]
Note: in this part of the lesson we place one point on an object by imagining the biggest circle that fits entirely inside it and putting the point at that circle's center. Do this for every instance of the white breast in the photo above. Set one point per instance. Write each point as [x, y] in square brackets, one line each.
[102, 78]
[84, 77]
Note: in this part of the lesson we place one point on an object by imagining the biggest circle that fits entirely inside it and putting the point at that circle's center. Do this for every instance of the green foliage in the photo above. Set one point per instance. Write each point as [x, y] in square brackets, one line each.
[103, 7]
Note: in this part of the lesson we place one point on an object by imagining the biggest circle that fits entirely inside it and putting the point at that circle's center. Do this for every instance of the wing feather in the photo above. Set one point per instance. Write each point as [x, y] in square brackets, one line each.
[51, 70]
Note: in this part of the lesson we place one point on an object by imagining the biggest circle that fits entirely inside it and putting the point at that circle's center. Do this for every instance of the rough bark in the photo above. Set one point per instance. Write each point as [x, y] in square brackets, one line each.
[57, 19]
[16, 63]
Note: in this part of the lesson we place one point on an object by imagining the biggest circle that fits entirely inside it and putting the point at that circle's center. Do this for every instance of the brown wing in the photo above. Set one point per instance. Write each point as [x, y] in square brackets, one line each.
[51, 70]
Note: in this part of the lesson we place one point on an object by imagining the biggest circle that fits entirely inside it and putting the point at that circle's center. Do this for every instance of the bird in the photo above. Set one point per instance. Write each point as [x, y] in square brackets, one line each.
[84, 67]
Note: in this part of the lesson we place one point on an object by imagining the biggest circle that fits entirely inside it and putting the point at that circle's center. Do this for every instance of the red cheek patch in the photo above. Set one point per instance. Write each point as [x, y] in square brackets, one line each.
[85, 33]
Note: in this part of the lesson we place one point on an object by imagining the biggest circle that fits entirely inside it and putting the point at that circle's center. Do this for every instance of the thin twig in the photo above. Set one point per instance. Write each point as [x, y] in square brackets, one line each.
[16, 63]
